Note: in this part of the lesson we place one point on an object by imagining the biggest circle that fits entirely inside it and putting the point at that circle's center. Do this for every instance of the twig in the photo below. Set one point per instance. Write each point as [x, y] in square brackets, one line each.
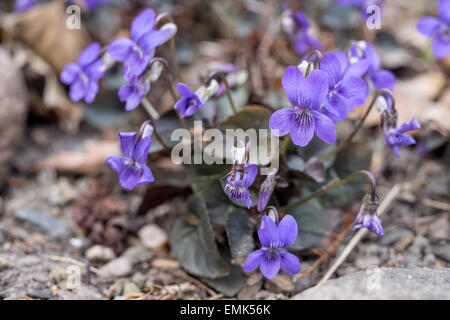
[390, 197]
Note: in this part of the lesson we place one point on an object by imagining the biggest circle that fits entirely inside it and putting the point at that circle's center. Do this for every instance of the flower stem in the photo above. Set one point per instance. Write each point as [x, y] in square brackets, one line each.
[285, 144]
[152, 113]
[349, 139]
[227, 88]
[332, 185]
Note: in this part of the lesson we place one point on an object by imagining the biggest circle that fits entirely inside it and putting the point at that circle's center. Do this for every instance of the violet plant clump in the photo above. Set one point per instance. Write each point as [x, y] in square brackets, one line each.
[322, 90]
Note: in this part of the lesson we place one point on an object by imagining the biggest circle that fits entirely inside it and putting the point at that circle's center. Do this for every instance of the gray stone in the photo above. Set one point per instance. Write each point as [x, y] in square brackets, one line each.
[119, 267]
[45, 222]
[384, 284]
[152, 236]
[100, 253]
[442, 252]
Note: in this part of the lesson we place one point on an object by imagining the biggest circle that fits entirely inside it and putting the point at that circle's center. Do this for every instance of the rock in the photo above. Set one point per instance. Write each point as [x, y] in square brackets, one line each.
[266, 295]
[13, 111]
[119, 267]
[152, 236]
[366, 261]
[130, 288]
[442, 252]
[281, 283]
[137, 254]
[81, 293]
[165, 264]
[43, 294]
[100, 253]
[393, 237]
[385, 284]
[45, 222]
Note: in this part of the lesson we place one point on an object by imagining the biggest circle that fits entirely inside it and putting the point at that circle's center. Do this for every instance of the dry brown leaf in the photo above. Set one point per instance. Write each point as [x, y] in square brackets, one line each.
[82, 162]
[44, 30]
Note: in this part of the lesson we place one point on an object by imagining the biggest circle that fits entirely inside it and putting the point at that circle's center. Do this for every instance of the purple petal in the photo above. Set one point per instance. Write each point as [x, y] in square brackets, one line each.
[384, 79]
[342, 58]
[444, 10]
[77, 90]
[133, 101]
[253, 260]
[315, 89]
[372, 57]
[116, 163]
[279, 121]
[289, 263]
[184, 90]
[141, 150]
[440, 46]
[143, 23]
[301, 134]
[146, 177]
[332, 68]
[428, 25]
[129, 177]
[153, 39]
[409, 126]
[262, 200]
[120, 48]
[355, 90]
[270, 267]
[135, 65]
[91, 92]
[325, 127]
[125, 92]
[268, 233]
[89, 55]
[96, 70]
[288, 230]
[292, 82]
[70, 73]
[252, 171]
[128, 142]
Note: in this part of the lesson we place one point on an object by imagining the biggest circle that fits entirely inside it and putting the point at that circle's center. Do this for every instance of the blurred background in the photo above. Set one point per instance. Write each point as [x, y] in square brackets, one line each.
[61, 205]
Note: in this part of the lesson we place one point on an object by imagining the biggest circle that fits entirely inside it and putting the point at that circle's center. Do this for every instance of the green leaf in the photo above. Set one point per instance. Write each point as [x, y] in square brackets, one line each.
[230, 284]
[313, 221]
[239, 236]
[194, 246]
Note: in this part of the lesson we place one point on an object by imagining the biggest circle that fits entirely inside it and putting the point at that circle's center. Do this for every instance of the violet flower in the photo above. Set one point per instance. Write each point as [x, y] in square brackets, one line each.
[367, 217]
[134, 92]
[274, 240]
[306, 96]
[136, 53]
[239, 181]
[345, 90]
[296, 26]
[189, 103]
[83, 76]
[396, 137]
[438, 29]
[381, 79]
[132, 168]
[24, 5]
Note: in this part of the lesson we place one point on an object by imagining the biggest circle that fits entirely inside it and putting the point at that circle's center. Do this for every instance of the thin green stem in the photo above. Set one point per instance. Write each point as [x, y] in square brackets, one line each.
[152, 113]
[285, 144]
[332, 185]
[349, 139]
[227, 88]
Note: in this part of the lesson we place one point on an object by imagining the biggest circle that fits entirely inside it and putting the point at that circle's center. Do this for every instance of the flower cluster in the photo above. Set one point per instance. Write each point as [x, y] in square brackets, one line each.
[438, 29]
[274, 240]
[83, 76]
[296, 27]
